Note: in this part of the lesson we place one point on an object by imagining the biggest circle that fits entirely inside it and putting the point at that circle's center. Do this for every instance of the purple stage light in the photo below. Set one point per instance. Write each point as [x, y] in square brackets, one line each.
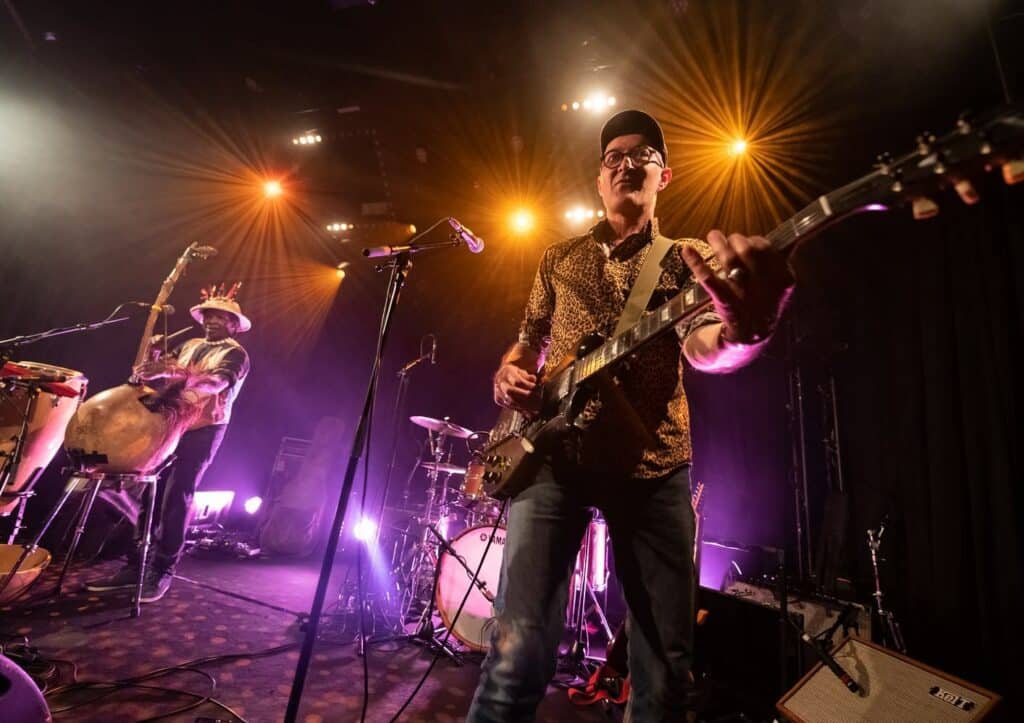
[253, 504]
[364, 529]
[211, 504]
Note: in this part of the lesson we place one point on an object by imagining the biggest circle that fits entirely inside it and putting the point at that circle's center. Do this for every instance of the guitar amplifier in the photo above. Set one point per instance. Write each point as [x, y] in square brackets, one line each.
[894, 689]
[819, 613]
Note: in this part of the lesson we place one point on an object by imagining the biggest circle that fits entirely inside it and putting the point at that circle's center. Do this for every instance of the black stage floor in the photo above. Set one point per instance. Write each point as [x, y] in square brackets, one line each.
[97, 641]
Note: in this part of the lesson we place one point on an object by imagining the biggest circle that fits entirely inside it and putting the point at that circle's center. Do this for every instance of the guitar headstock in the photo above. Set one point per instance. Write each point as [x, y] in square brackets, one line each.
[977, 145]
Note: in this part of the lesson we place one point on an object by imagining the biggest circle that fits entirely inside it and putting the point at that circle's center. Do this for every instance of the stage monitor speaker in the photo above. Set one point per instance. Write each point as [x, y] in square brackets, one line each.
[894, 689]
[738, 655]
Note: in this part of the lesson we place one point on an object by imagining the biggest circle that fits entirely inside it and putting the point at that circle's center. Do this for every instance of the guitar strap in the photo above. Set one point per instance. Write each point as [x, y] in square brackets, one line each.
[643, 287]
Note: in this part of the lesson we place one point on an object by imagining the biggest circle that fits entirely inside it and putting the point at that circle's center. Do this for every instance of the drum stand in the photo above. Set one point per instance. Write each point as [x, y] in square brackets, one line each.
[575, 660]
[12, 461]
[90, 484]
[436, 509]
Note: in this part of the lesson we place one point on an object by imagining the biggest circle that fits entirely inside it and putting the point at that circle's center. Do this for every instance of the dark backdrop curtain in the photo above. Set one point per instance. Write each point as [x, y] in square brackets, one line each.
[928, 319]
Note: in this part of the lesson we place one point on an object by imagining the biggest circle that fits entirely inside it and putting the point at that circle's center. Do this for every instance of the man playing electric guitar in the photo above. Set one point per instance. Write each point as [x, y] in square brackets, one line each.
[629, 453]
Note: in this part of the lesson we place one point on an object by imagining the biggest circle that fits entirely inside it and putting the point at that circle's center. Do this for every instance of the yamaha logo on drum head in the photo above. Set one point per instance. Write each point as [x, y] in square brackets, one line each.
[498, 539]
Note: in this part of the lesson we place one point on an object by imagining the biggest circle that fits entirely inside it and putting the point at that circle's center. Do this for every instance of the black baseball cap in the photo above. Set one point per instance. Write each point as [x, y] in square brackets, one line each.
[634, 121]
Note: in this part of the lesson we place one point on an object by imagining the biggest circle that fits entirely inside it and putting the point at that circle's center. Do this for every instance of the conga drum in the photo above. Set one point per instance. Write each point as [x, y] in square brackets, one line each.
[49, 405]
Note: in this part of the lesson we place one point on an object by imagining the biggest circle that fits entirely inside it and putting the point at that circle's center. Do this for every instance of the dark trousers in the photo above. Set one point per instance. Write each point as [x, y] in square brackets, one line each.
[652, 529]
[177, 485]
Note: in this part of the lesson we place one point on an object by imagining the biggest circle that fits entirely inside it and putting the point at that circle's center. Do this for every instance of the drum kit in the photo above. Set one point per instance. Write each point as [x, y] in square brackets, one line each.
[446, 554]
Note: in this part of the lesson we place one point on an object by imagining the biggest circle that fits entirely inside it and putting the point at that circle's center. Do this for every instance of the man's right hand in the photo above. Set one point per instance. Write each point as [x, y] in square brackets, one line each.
[514, 387]
[154, 370]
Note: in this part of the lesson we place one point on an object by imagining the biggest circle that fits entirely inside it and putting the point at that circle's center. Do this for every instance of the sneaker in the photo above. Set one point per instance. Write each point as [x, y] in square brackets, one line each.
[127, 576]
[156, 585]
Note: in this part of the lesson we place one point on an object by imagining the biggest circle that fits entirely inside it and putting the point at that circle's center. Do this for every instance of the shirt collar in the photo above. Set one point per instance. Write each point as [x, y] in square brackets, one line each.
[603, 234]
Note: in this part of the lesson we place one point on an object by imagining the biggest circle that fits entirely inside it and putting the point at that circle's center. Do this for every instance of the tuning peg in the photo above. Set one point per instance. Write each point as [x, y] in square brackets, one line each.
[924, 143]
[884, 163]
[924, 208]
[967, 192]
[1013, 172]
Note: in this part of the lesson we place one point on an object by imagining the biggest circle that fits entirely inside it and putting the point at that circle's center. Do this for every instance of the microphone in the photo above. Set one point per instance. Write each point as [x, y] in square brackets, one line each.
[826, 658]
[433, 349]
[203, 252]
[165, 309]
[473, 242]
[379, 252]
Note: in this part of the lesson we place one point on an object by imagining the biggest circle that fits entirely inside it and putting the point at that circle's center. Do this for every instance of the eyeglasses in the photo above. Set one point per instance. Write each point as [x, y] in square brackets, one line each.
[639, 156]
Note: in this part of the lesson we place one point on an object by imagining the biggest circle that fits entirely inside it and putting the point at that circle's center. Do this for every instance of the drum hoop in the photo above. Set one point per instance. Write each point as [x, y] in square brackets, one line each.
[71, 373]
[437, 594]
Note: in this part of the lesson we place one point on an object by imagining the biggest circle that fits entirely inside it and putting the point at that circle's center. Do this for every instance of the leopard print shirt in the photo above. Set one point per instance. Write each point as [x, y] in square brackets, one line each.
[580, 288]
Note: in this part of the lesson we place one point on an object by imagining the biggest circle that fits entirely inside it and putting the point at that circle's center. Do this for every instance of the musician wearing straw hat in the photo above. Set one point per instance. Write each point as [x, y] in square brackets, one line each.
[211, 370]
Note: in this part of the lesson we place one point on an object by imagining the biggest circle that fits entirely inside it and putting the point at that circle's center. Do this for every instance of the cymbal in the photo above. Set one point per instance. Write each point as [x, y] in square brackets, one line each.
[443, 426]
[444, 467]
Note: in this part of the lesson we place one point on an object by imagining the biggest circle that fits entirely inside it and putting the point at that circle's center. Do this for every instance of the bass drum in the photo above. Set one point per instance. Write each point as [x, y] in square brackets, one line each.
[473, 628]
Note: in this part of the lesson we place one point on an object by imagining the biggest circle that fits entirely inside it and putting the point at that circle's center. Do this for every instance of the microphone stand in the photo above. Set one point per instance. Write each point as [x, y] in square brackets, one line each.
[403, 385]
[6, 345]
[399, 264]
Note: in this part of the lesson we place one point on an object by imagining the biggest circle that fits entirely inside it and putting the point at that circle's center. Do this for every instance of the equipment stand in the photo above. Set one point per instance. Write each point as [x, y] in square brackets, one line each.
[892, 636]
[575, 659]
[96, 480]
[399, 266]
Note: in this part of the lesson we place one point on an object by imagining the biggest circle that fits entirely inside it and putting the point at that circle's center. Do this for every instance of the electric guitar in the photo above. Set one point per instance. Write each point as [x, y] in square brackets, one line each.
[517, 442]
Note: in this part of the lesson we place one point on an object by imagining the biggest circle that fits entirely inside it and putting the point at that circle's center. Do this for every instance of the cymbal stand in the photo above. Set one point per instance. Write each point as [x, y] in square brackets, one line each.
[892, 636]
[436, 508]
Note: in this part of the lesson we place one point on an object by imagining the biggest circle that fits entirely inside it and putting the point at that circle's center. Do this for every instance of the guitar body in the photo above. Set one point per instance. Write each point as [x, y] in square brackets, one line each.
[513, 456]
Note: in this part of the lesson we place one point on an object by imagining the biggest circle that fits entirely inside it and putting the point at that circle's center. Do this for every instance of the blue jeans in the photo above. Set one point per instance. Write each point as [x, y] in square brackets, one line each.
[652, 528]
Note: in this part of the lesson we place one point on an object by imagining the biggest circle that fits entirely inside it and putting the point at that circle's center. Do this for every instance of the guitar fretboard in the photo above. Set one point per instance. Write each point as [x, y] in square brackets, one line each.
[693, 299]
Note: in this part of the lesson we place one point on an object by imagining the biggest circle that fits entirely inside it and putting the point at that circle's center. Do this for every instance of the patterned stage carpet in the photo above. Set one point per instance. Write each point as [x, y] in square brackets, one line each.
[94, 633]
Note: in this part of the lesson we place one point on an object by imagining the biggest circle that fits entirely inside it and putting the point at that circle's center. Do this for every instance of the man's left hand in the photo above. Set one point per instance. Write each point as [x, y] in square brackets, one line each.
[753, 287]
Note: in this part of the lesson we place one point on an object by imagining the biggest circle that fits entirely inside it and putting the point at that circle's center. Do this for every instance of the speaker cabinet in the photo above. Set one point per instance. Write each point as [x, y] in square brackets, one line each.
[894, 689]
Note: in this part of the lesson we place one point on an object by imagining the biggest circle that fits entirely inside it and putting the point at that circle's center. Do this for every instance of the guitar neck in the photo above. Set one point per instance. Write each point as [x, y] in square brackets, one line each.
[693, 299]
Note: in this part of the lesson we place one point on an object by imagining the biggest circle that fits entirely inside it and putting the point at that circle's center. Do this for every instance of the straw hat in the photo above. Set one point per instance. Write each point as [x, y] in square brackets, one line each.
[221, 301]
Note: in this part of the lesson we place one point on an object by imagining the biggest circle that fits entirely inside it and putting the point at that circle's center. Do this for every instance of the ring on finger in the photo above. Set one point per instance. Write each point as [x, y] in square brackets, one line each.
[736, 273]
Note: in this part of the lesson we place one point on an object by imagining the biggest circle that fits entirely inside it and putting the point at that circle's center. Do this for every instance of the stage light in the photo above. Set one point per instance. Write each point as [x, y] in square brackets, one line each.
[611, 100]
[339, 270]
[521, 221]
[253, 504]
[738, 147]
[272, 189]
[338, 226]
[211, 503]
[364, 529]
[307, 138]
[412, 228]
[578, 214]
[575, 105]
